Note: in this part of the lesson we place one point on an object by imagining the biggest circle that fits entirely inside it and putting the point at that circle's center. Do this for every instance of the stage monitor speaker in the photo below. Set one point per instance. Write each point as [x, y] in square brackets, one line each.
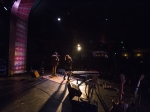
[61, 71]
[74, 90]
[35, 74]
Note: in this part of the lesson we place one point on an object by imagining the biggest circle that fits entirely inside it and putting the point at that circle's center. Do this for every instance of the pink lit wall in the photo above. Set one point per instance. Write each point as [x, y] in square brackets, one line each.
[18, 36]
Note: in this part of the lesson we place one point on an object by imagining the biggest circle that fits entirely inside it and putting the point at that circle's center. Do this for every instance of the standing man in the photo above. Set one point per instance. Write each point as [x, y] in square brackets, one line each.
[54, 61]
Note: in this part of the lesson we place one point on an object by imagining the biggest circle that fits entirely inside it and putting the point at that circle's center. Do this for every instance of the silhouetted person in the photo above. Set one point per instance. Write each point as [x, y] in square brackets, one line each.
[68, 66]
[54, 61]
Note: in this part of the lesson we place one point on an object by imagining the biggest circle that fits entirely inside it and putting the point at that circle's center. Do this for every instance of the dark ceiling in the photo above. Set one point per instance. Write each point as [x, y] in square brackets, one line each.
[91, 21]
[88, 22]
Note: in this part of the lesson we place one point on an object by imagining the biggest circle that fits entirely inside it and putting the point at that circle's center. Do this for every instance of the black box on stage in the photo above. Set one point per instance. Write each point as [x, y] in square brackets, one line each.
[61, 71]
[73, 90]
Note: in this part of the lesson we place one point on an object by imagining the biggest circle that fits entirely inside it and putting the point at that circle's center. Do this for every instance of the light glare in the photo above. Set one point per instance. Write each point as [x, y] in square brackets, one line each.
[5, 8]
[79, 48]
[59, 19]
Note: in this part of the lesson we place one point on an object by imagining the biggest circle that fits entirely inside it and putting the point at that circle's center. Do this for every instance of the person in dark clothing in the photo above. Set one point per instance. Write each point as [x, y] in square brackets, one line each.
[54, 61]
[68, 66]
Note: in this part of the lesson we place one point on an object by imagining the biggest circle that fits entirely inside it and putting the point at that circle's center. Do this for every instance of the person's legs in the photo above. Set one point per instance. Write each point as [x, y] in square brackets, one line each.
[68, 77]
[65, 73]
[55, 68]
[69, 74]
[52, 70]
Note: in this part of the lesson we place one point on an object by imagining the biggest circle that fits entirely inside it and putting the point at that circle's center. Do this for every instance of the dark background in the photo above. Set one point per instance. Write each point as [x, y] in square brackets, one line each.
[95, 25]
[86, 21]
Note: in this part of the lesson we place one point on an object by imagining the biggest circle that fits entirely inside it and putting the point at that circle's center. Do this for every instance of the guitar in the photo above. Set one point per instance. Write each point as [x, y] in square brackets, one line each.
[119, 106]
[135, 96]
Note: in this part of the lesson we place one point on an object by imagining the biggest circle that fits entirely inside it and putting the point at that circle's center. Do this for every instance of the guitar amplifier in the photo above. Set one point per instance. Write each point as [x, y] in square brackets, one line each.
[35, 74]
[74, 90]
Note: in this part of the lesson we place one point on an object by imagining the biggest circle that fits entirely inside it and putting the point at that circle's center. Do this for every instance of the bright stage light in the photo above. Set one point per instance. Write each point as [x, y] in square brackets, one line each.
[59, 19]
[79, 47]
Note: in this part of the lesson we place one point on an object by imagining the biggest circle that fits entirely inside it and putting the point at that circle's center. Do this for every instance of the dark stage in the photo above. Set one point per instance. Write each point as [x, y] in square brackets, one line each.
[24, 93]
